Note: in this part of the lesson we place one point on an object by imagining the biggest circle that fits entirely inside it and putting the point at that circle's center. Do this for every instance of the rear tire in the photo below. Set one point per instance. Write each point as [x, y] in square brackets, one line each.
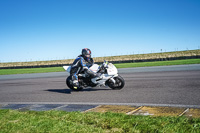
[119, 83]
[69, 83]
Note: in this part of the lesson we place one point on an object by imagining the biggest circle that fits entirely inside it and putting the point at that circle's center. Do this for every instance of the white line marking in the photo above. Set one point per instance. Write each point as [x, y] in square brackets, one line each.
[184, 112]
[92, 108]
[90, 103]
[135, 110]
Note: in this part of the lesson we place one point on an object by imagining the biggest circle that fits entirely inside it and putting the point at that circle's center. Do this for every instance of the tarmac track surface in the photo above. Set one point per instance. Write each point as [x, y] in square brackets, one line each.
[168, 85]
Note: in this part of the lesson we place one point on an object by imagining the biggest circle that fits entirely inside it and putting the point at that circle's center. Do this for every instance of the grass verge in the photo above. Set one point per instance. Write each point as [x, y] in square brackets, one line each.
[30, 70]
[61, 121]
[159, 63]
[122, 65]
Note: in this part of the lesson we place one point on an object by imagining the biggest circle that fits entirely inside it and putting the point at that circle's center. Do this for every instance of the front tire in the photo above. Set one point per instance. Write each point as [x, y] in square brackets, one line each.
[119, 83]
[69, 83]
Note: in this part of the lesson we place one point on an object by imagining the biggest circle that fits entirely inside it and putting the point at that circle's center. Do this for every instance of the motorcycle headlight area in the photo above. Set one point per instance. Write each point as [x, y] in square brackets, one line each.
[112, 70]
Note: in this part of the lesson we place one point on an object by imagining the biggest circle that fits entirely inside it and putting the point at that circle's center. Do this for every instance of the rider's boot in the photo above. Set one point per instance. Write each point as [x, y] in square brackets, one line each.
[75, 84]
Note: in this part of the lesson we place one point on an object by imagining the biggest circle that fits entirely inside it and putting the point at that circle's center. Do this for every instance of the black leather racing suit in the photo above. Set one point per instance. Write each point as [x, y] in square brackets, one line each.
[79, 65]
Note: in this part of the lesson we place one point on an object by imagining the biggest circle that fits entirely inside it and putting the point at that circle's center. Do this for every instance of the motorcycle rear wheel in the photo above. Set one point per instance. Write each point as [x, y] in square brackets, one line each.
[71, 86]
[119, 83]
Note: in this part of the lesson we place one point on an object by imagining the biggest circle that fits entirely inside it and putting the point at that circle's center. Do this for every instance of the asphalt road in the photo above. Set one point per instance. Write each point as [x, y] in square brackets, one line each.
[165, 85]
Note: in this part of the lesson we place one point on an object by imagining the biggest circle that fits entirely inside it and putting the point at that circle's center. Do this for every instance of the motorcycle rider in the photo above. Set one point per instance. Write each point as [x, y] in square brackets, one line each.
[82, 63]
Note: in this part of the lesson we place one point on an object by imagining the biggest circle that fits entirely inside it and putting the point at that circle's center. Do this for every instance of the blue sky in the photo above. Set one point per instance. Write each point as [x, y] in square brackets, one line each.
[34, 30]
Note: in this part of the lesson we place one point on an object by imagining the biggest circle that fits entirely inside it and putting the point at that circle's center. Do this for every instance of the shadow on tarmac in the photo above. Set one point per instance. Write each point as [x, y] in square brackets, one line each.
[68, 91]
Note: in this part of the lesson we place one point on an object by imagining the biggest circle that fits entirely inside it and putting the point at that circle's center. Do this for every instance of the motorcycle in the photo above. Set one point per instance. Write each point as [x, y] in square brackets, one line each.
[109, 77]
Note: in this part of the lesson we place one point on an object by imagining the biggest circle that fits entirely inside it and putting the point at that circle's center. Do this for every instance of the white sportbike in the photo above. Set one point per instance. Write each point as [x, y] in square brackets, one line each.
[109, 77]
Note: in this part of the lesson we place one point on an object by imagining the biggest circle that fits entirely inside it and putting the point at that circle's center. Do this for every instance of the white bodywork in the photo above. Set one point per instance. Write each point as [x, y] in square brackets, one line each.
[94, 68]
[111, 72]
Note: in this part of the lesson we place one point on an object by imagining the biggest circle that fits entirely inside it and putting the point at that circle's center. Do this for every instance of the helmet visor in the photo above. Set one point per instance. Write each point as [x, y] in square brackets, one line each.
[88, 55]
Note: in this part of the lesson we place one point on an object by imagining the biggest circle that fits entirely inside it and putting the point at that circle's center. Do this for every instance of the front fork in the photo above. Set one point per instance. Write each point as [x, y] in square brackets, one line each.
[112, 78]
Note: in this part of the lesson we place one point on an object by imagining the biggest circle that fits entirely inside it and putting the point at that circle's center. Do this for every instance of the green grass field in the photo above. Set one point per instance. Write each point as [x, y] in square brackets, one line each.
[122, 65]
[30, 70]
[12, 121]
[159, 63]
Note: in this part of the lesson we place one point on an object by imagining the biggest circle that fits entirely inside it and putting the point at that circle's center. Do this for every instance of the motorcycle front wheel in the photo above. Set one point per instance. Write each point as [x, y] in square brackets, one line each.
[69, 83]
[119, 83]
